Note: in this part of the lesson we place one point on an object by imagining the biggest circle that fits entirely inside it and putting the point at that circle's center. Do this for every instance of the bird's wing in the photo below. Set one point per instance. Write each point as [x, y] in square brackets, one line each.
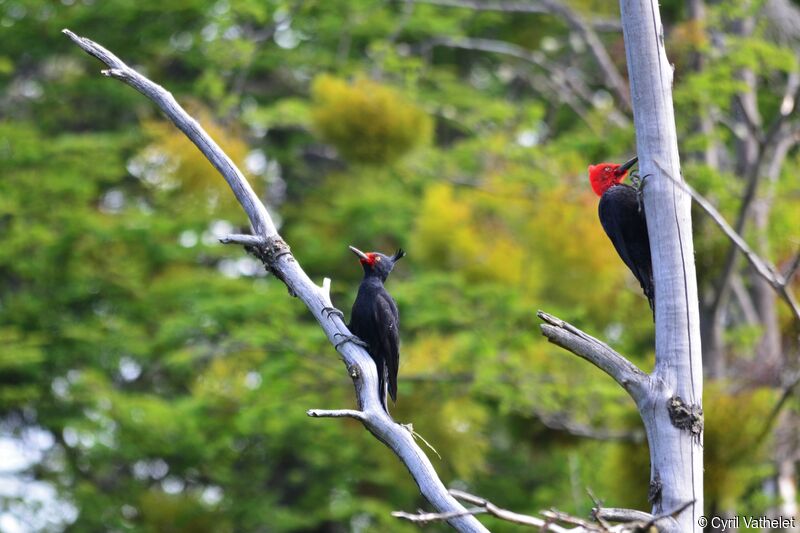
[623, 219]
[386, 313]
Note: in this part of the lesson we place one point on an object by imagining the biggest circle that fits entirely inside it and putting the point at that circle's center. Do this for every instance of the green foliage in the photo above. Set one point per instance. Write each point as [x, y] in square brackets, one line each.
[173, 375]
[367, 122]
[734, 466]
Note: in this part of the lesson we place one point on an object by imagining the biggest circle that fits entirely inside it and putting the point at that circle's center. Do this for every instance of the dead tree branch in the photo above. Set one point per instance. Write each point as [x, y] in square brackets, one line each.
[566, 86]
[507, 6]
[772, 144]
[596, 352]
[791, 384]
[575, 21]
[485, 506]
[615, 514]
[629, 520]
[336, 413]
[268, 245]
[791, 270]
[762, 267]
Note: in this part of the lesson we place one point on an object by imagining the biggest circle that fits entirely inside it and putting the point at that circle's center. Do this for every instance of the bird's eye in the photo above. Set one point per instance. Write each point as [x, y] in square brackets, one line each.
[607, 169]
[377, 258]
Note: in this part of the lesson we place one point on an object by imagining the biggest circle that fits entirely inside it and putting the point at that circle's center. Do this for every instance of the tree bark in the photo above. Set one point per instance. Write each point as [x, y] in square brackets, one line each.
[672, 412]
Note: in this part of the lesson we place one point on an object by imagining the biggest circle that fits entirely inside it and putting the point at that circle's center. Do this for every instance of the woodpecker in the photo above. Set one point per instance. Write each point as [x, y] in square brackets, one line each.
[375, 321]
[622, 217]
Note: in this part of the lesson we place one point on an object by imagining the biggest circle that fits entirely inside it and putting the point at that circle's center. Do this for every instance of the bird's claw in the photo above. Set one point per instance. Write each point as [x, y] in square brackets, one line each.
[638, 184]
[328, 311]
[638, 181]
[350, 338]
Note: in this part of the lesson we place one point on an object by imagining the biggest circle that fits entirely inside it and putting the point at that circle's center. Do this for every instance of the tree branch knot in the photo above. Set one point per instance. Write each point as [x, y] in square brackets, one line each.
[688, 417]
[654, 491]
[269, 251]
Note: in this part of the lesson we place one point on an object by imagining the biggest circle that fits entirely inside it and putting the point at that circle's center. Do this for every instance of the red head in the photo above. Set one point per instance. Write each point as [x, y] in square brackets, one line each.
[370, 258]
[377, 264]
[605, 175]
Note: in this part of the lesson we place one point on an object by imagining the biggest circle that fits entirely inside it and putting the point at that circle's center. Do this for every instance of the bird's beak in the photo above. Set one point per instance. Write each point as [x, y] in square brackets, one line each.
[627, 165]
[359, 253]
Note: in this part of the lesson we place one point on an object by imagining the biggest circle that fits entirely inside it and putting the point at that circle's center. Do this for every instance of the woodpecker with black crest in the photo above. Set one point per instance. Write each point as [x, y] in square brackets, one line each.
[622, 216]
[375, 321]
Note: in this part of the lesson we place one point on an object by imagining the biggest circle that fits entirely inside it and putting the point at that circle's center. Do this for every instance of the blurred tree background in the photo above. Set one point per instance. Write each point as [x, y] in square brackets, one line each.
[152, 379]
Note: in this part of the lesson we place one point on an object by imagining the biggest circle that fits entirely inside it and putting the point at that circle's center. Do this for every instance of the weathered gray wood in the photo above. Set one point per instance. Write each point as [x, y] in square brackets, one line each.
[676, 453]
[596, 352]
[270, 247]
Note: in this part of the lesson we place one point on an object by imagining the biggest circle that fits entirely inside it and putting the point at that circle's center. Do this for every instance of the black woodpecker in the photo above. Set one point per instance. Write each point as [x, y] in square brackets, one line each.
[622, 217]
[375, 321]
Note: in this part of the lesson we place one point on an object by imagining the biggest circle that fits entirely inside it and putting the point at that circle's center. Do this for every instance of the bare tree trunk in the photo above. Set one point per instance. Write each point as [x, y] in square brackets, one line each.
[673, 418]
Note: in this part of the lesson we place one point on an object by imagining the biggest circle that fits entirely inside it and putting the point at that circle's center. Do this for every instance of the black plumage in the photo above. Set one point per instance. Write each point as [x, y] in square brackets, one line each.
[622, 217]
[375, 320]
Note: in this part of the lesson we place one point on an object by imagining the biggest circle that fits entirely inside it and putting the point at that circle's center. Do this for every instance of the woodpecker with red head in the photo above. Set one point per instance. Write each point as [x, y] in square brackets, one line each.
[622, 217]
[375, 321]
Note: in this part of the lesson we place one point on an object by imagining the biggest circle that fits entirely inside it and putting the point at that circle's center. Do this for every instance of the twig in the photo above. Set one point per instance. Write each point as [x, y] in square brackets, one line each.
[598, 505]
[326, 286]
[672, 515]
[788, 389]
[426, 518]
[630, 520]
[505, 514]
[640, 520]
[791, 270]
[336, 413]
[616, 514]
[410, 428]
[246, 240]
[564, 334]
[555, 514]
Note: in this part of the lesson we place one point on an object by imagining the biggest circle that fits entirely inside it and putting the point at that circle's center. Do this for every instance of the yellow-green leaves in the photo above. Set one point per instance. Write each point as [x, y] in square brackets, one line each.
[367, 122]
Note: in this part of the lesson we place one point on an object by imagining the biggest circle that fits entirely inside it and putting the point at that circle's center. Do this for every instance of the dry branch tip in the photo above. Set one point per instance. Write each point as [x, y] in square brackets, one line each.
[337, 413]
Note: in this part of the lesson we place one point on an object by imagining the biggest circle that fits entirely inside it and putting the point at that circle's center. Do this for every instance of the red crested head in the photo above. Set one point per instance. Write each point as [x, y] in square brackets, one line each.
[377, 264]
[605, 175]
[369, 258]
